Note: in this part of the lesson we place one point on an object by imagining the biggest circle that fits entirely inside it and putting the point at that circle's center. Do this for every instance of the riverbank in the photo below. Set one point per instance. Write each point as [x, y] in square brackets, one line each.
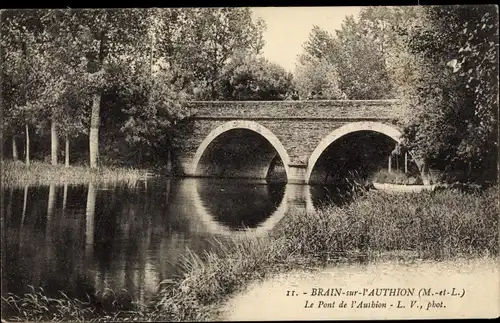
[17, 174]
[442, 225]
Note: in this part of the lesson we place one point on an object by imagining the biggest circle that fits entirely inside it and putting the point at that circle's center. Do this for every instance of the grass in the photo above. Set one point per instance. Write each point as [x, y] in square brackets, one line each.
[17, 174]
[395, 177]
[436, 225]
[446, 224]
[36, 306]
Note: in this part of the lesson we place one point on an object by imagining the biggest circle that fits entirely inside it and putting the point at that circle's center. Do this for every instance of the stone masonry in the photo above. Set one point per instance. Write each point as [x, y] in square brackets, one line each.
[298, 130]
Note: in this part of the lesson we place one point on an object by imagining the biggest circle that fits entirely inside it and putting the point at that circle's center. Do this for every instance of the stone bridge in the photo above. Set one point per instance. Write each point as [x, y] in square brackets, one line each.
[249, 138]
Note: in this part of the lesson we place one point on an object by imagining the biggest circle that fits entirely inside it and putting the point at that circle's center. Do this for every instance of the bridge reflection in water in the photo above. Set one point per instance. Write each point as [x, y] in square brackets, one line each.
[86, 238]
[258, 211]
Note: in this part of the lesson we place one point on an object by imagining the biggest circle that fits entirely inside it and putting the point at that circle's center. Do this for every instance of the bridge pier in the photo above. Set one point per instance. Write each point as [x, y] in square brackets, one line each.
[297, 173]
[299, 197]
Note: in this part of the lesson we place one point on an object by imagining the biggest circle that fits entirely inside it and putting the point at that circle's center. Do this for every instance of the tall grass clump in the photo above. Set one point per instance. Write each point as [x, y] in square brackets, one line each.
[443, 224]
[36, 306]
[214, 275]
[38, 173]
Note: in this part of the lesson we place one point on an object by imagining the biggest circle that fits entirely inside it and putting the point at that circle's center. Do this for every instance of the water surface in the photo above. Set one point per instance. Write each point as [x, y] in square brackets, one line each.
[86, 238]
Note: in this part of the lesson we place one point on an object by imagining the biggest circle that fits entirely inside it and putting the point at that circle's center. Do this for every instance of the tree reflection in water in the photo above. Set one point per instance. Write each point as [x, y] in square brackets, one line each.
[84, 239]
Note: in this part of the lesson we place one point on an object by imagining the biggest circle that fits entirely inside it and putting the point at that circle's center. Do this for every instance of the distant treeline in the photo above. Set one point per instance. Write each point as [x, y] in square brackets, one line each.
[108, 85]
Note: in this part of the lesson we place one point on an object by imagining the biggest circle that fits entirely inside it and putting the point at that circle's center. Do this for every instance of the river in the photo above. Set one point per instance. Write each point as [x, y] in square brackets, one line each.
[87, 238]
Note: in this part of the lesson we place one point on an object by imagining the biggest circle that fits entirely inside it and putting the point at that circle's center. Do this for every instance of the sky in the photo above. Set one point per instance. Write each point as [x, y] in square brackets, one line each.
[289, 27]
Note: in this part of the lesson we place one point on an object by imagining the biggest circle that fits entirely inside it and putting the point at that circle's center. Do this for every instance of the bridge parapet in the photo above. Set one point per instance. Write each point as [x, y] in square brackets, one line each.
[305, 110]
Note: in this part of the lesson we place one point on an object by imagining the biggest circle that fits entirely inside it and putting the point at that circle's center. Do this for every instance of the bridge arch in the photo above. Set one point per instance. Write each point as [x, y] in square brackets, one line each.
[252, 126]
[214, 227]
[379, 127]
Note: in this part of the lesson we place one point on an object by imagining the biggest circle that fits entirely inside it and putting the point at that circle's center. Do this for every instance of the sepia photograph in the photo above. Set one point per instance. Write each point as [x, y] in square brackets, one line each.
[249, 163]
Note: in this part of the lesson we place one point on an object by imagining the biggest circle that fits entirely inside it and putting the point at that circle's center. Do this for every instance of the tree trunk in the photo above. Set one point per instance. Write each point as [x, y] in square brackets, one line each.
[96, 102]
[65, 195]
[94, 130]
[8, 214]
[14, 149]
[169, 162]
[66, 152]
[27, 145]
[425, 173]
[51, 203]
[54, 143]
[89, 215]
[406, 163]
[25, 203]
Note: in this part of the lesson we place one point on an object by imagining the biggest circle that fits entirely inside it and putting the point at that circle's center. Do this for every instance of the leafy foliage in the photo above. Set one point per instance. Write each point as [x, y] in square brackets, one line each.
[318, 77]
[455, 107]
[360, 61]
[441, 62]
[255, 78]
[21, 68]
[126, 72]
[315, 74]
[364, 59]
[202, 41]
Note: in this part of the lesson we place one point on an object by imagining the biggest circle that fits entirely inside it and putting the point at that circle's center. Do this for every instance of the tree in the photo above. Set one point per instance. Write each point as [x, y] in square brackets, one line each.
[109, 37]
[69, 91]
[255, 78]
[72, 116]
[362, 53]
[365, 53]
[391, 27]
[316, 71]
[154, 112]
[360, 62]
[63, 70]
[173, 47]
[215, 36]
[71, 70]
[320, 45]
[10, 124]
[455, 107]
[319, 77]
[22, 71]
[44, 66]
[147, 102]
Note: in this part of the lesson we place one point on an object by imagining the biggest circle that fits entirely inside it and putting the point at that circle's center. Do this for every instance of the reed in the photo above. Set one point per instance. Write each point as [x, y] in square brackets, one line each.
[434, 225]
[17, 174]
